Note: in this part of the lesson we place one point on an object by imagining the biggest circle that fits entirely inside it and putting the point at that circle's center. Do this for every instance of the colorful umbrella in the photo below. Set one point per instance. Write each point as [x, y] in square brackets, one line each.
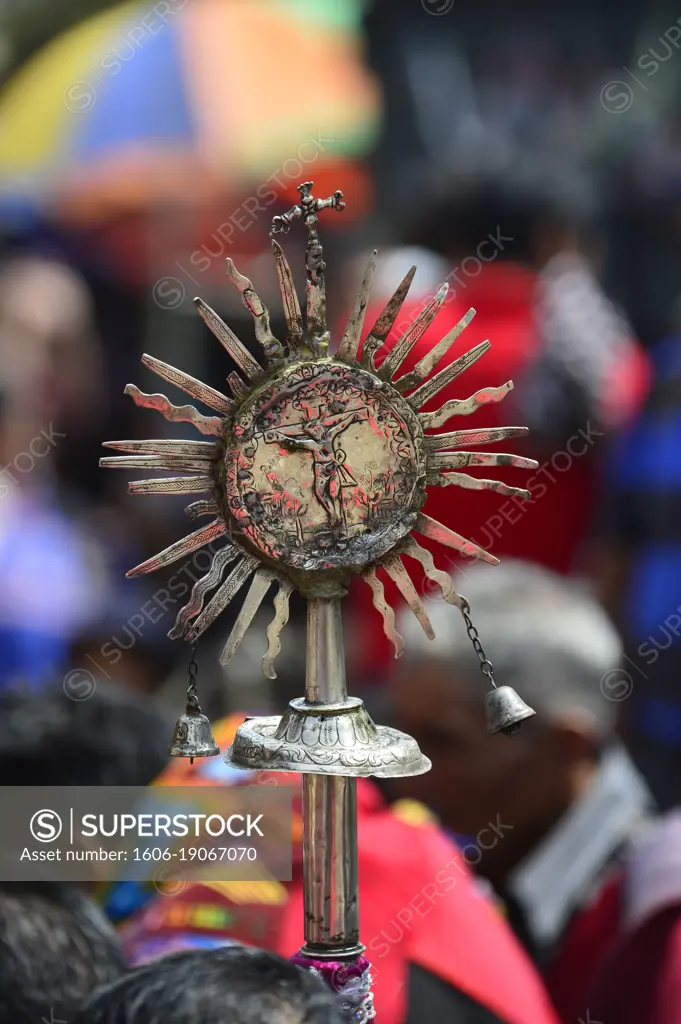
[186, 98]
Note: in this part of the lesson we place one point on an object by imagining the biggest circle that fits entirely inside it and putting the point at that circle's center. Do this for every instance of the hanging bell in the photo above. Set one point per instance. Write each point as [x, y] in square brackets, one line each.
[506, 710]
[193, 735]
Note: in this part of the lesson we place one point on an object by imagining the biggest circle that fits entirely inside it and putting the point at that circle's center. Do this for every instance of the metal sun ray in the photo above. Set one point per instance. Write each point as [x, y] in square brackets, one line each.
[427, 364]
[173, 485]
[276, 626]
[403, 346]
[272, 347]
[245, 567]
[181, 548]
[261, 583]
[386, 610]
[349, 345]
[201, 392]
[395, 569]
[289, 298]
[432, 387]
[239, 353]
[204, 507]
[175, 413]
[201, 588]
[381, 329]
[463, 406]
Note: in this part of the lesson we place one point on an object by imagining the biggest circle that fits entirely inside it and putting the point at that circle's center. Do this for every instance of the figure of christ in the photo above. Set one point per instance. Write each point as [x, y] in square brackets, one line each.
[317, 435]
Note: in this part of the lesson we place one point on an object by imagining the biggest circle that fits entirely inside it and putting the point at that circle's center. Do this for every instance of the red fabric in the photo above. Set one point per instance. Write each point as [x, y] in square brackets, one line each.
[642, 981]
[590, 938]
[418, 902]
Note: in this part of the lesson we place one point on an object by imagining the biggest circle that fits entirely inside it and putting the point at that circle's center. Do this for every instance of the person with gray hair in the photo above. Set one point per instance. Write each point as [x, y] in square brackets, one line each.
[546, 814]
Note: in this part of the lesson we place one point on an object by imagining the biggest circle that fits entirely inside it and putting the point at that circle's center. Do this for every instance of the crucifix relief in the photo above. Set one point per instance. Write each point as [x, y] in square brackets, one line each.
[318, 435]
[329, 428]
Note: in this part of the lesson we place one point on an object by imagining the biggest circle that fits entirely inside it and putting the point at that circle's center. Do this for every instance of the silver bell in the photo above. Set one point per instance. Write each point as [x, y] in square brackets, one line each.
[506, 710]
[193, 735]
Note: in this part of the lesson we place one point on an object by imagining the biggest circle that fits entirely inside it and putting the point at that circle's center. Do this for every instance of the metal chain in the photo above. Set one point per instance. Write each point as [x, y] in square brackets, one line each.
[485, 663]
[192, 692]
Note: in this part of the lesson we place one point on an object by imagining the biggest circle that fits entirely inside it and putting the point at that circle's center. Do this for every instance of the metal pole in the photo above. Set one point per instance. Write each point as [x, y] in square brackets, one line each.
[330, 869]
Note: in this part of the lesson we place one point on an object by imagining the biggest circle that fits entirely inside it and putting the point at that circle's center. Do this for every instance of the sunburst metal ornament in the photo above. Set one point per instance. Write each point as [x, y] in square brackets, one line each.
[317, 472]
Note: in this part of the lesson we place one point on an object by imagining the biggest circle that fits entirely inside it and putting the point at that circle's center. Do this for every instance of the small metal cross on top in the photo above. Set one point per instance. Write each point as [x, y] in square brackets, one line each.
[308, 209]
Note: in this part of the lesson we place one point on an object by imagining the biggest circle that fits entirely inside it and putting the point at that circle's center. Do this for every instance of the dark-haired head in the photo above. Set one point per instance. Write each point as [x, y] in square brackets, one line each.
[106, 738]
[56, 949]
[230, 985]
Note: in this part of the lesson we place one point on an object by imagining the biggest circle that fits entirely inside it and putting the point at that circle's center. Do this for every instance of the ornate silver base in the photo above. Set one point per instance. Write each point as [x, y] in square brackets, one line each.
[325, 739]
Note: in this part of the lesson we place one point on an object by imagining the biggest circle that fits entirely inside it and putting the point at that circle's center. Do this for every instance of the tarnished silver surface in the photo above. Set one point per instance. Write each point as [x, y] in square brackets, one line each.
[381, 329]
[173, 485]
[326, 468]
[201, 588]
[464, 406]
[395, 569]
[505, 710]
[205, 450]
[193, 737]
[174, 462]
[349, 345]
[385, 609]
[175, 413]
[274, 630]
[272, 347]
[204, 507]
[294, 318]
[435, 384]
[181, 548]
[217, 604]
[475, 483]
[460, 438]
[260, 584]
[332, 743]
[327, 732]
[330, 864]
[412, 335]
[457, 460]
[239, 387]
[430, 528]
[308, 209]
[445, 582]
[239, 353]
[201, 392]
[427, 364]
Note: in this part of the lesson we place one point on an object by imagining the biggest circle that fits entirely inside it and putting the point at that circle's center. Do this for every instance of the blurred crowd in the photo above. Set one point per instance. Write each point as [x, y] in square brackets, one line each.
[530, 156]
